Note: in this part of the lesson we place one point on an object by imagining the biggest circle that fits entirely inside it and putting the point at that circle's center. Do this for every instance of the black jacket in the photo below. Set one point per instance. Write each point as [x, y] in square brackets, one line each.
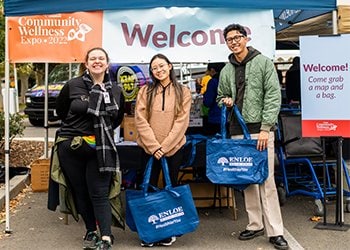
[72, 104]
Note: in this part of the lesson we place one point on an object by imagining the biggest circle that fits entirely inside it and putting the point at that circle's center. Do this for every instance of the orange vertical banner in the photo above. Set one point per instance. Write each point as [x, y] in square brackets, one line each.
[60, 38]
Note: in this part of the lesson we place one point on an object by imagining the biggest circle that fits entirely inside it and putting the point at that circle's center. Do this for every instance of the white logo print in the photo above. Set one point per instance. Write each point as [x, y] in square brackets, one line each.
[326, 126]
[80, 33]
[153, 219]
[241, 161]
[167, 218]
[235, 164]
[223, 161]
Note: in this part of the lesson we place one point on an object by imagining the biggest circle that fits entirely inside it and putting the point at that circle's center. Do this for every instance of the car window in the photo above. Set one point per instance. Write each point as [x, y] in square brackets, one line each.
[63, 72]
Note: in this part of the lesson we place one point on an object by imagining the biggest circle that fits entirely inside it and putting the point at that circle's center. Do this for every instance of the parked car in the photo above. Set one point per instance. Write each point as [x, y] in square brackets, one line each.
[35, 96]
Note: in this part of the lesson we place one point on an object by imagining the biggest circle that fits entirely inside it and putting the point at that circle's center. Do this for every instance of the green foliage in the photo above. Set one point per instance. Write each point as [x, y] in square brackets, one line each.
[24, 68]
[17, 127]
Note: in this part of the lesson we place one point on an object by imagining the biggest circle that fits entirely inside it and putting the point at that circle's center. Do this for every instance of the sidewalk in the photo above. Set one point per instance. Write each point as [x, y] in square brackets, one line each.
[35, 227]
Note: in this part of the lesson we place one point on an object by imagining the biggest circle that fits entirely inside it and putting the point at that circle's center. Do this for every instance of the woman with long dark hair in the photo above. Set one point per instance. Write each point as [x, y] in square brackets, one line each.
[161, 117]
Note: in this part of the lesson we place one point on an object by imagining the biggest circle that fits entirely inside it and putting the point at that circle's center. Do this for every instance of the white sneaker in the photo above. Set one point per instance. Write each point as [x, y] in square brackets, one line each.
[167, 242]
[145, 244]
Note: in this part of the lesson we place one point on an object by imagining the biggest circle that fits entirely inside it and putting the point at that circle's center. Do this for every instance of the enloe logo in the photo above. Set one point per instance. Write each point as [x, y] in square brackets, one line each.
[167, 218]
[223, 161]
[153, 219]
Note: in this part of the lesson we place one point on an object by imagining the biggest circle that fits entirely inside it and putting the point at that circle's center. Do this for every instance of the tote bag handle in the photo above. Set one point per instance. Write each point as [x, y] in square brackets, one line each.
[239, 118]
[148, 171]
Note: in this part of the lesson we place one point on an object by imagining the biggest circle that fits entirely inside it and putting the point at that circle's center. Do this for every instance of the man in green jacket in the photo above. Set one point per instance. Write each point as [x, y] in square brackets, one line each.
[250, 81]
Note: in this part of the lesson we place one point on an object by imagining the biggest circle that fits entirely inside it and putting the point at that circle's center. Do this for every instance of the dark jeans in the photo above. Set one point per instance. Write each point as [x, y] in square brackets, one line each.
[174, 162]
[90, 188]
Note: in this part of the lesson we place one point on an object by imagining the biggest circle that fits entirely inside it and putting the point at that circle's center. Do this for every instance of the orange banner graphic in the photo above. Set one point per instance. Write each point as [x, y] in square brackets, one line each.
[54, 38]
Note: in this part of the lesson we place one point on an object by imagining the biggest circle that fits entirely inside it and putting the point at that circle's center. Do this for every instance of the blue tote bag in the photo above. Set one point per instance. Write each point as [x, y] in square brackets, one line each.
[235, 161]
[163, 213]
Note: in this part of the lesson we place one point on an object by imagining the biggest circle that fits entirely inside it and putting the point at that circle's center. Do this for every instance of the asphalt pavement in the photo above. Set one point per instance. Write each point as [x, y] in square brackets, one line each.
[33, 226]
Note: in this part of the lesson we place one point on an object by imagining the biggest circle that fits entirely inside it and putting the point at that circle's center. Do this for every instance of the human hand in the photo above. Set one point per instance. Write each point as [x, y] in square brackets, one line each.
[158, 154]
[227, 101]
[262, 140]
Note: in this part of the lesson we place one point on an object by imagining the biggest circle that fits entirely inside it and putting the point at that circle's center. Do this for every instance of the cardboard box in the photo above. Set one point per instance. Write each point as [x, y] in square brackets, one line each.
[40, 170]
[343, 19]
[203, 193]
[129, 128]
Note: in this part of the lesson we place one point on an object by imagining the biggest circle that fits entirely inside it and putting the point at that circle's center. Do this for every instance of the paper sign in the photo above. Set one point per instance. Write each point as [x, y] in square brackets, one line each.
[325, 85]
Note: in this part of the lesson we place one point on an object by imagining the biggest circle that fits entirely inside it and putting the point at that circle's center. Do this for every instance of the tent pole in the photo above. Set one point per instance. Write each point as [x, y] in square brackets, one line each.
[181, 73]
[335, 21]
[15, 78]
[7, 132]
[46, 107]
[70, 71]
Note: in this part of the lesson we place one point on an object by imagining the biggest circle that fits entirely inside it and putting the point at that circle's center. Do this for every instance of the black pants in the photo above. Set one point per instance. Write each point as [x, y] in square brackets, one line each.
[174, 162]
[90, 188]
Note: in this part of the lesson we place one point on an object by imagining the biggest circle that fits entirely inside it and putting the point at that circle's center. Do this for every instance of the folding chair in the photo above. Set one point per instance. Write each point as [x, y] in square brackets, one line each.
[301, 163]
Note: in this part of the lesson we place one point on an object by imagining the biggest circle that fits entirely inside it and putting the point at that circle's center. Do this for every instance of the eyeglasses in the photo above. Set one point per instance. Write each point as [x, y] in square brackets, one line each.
[235, 38]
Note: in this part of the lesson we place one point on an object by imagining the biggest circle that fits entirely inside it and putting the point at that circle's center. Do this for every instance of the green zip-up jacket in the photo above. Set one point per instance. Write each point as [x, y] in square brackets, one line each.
[262, 97]
[65, 199]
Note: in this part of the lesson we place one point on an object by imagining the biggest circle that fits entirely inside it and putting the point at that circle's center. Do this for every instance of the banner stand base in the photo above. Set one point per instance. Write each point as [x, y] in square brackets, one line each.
[339, 211]
[330, 226]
